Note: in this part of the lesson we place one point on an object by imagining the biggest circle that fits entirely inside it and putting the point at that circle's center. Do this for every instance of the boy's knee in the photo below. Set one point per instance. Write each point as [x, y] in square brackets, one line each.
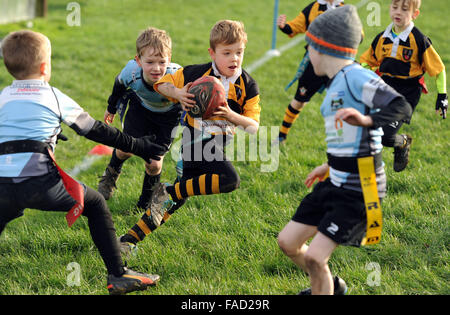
[154, 167]
[312, 263]
[230, 182]
[297, 104]
[286, 245]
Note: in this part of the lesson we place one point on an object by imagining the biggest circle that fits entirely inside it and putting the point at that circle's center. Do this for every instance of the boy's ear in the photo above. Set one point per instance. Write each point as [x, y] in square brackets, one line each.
[211, 53]
[138, 60]
[416, 14]
[43, 69]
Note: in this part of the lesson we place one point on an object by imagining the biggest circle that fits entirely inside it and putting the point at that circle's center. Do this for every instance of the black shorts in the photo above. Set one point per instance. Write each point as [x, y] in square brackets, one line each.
[140, 122]
[409, 88]
[308, 84]
[338, 213]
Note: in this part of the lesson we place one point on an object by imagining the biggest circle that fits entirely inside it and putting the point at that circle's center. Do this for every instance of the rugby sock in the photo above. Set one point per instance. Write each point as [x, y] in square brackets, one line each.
[115, 162]
[290, 116]
[142, 228]
[205, 184]
[400, 141]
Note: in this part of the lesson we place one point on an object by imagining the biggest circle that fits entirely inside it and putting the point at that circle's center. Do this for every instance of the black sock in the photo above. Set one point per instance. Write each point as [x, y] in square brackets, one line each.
[115, 162]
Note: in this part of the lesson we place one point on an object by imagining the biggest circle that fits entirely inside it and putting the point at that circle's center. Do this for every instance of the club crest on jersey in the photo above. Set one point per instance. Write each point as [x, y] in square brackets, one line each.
[407, 54]
[337, 104]
[303, 91]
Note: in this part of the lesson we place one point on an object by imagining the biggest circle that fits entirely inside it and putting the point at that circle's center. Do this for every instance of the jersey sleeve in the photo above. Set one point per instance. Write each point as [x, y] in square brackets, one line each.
[369, 56]
[72, 114]
[432, 62]
[251, 107]
[177, 79]
[298, 24]
[370, 89]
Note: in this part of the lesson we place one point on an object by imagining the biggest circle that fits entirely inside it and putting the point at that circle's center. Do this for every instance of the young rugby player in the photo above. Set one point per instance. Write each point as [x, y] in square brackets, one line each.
[357, 104]
[31, 113]
[149, 113]
[206, 169]
[402, 54]
[308, 82]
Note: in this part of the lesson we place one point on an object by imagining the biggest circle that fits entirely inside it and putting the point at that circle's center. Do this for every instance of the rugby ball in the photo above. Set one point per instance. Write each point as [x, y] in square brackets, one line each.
[209, 94]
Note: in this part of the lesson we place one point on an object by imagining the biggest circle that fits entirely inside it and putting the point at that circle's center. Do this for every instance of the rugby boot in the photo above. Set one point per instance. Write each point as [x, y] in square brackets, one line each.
[107, 183]
[401, 154]
[130, 281]
[340, 287]
[127, 246]
[161, 203]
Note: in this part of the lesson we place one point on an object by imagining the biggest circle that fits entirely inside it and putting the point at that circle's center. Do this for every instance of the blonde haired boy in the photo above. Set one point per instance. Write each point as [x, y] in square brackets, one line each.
[31, 113]
[401, 54]
[149, 113]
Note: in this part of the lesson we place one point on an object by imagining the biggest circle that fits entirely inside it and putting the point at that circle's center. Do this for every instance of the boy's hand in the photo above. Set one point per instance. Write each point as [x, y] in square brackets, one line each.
[320, 172]
[353, 117]
[223, 111]
[186, 99]
[108, 118]
[442, 105]
[145, 148]
[281, 21]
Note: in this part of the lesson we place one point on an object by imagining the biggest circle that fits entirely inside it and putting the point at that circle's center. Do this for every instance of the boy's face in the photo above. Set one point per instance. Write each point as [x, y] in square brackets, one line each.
[153, 65]
[228, 58]
[401, 13]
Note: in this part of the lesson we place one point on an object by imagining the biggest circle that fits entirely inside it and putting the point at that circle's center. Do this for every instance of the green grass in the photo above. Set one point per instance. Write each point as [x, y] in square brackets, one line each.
[226, 244]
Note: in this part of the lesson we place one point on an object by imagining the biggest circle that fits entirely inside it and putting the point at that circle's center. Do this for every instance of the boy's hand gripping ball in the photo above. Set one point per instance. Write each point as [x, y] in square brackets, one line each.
[209, 94]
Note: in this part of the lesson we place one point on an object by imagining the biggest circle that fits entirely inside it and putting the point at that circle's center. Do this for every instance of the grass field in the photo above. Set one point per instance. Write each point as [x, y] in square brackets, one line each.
[226, 244]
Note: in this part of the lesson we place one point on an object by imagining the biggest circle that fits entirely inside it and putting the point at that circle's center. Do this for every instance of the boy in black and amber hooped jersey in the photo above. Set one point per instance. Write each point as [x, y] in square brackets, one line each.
[206, 169]
[308, 82]
[402, 54]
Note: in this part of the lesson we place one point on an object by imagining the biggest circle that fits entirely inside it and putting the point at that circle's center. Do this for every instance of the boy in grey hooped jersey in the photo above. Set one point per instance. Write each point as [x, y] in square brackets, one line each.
[31, 113]
[358, 103]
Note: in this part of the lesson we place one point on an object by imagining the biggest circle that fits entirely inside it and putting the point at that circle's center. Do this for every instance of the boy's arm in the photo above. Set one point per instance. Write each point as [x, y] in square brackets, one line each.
[293, 27]
[433, 65]
[178, 95]
[248, 124]
[398, 109]
[118, 91]
[442, 100]
[84, 125]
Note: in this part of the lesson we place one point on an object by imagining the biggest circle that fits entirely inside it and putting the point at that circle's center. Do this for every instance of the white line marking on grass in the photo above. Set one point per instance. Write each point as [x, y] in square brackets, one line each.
[270, 53]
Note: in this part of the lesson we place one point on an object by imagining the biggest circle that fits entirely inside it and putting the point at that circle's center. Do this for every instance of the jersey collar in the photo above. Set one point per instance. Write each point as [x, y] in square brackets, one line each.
[333, 5]
[403, 35]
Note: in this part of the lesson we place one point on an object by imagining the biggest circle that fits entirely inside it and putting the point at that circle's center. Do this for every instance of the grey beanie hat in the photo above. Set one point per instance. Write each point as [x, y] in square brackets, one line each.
[336, 32]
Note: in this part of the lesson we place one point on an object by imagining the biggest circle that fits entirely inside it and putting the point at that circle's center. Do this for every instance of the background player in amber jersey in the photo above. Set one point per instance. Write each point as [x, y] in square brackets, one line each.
[308, 82]
[402, 54]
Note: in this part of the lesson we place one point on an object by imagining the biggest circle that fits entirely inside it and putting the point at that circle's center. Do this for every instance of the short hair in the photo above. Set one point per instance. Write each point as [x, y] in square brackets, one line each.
[155, 38]
[227, 32]
[23, 52]
[412, 4]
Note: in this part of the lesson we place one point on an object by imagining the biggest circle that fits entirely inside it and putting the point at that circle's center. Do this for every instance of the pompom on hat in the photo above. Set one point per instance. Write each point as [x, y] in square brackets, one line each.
[336, 32]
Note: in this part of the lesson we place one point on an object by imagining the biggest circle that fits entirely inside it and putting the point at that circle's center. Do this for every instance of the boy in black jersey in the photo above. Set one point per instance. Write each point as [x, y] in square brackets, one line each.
[402, 54]
[206, 169]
